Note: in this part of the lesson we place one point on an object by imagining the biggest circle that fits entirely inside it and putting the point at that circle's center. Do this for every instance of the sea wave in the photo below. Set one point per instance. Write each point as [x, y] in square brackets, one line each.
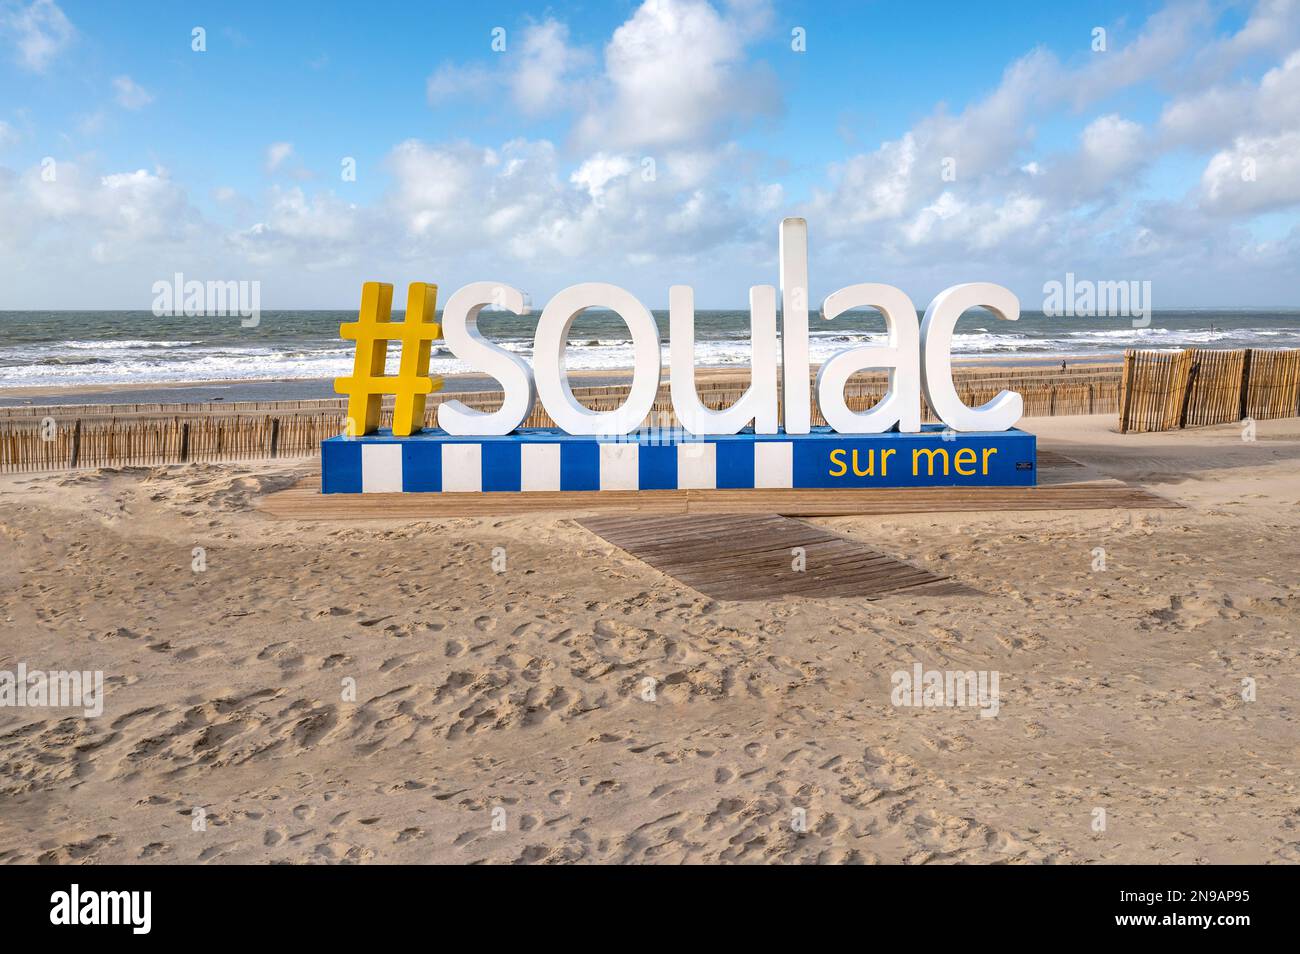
[124, 344]
[69, 359]
[1185, 335]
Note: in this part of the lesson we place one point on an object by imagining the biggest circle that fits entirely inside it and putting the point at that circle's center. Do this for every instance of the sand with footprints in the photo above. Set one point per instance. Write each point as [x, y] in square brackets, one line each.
[378, 692]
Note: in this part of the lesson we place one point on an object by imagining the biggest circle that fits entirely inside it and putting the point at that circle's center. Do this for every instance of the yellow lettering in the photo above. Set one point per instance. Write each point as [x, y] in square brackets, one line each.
[929, 452]
[884, 461]
[843, 467]
[987, 452]
[871, 464]
[964, 456]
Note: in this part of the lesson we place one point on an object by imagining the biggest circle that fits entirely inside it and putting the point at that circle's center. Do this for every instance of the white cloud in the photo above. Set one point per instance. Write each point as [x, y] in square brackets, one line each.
[1272, 28]
[114, 216]
[527, 210]
[316, 232]
[1207, 116]
[1258, 174]
[1272, 25]
[1167, 38]
[997, 193]
[130, 94]
[675, 74]
[924, 226]
[39, 30]
[1110, 149]
[672, 85]
[539, 75]
[1254, 128]
[547, 62]
[276, 154]
[1020, 217]
[8, 135]
[431, 181]
[873, 186]
[1216, 115]
[951, 224]
[323, 215]
[981, 148]
[596, 173]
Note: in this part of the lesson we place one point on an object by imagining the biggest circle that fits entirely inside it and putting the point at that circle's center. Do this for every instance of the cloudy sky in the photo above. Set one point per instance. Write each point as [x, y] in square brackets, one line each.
[647, 145]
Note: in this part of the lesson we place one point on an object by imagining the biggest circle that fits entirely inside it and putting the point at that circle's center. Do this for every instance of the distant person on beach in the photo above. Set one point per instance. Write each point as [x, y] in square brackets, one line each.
[1062, 365]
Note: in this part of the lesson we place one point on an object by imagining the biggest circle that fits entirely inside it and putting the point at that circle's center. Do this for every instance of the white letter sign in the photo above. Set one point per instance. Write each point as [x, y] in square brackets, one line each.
[936, 366]
[758, 404]
[901, 404]
[460, 330]
[551, 342]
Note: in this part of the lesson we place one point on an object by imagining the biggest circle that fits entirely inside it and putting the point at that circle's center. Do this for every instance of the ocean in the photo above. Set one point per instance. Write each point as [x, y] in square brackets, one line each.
[86, 349]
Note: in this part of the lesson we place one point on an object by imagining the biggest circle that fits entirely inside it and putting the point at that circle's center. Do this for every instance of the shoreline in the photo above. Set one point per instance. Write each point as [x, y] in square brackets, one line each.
[307, 389]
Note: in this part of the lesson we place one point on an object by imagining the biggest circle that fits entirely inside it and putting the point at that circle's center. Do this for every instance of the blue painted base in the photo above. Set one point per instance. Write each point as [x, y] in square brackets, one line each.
[549, 459]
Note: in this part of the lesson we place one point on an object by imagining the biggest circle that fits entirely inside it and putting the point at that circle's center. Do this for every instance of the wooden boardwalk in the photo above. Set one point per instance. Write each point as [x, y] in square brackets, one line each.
[739, 544]
[754, 557]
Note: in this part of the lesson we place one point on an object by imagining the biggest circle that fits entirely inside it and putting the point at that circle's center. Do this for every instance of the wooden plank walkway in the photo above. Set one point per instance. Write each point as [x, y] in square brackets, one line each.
[751, 557]
[736, 544]
[1057, 492]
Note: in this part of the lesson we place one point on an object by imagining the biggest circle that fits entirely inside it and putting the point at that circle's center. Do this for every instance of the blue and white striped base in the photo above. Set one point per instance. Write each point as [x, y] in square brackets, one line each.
[535, 459]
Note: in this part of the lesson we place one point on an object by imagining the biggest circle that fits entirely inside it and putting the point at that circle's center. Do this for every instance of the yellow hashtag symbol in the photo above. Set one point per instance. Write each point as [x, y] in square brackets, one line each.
[372, 331]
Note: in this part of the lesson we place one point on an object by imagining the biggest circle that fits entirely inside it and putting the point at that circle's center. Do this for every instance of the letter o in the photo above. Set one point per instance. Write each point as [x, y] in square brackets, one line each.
[550, 345]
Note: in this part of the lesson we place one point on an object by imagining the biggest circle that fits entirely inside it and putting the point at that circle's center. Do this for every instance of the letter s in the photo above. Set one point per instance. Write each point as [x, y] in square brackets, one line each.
[460, 331]
[843, 467]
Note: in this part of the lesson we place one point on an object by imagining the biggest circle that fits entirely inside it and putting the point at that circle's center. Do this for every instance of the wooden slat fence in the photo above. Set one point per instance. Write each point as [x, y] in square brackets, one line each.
[1272, 384]
[1164, 391]
[1213, 388]
[56, 438]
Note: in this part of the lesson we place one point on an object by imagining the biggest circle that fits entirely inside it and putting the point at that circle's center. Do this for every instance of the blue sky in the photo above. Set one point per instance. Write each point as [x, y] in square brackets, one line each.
[647, 144]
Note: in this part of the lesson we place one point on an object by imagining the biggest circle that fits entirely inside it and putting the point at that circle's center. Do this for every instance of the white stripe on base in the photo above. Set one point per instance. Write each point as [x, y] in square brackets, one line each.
[381, 468]
[773, 464]
[540, 467]
[697, 465]
[462, 468]
[620, 466]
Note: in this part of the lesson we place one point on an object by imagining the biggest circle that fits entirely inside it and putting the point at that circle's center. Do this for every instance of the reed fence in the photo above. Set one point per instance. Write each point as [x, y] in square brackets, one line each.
[42, 438]
[1164, 391]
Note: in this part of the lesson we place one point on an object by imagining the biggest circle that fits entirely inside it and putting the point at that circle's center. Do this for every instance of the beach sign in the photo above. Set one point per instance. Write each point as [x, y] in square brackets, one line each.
[764, 440]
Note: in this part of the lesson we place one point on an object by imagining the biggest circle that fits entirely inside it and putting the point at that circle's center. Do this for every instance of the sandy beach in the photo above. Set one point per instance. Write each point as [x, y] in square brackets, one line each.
[374, 691]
